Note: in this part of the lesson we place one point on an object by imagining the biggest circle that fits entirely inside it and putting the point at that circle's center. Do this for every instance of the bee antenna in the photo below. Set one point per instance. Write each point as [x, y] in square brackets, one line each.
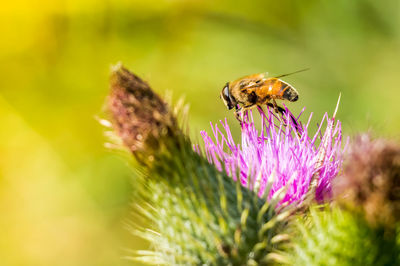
[284, 75]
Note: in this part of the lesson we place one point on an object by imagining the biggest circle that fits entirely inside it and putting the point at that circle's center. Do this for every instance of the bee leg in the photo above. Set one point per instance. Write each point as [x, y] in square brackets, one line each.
[277, 108]
[282, 111]
[238, 114]
[241, 111]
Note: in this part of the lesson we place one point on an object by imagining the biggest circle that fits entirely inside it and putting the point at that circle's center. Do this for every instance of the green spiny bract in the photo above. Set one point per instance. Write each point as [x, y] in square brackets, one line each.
[332, 236]
[196, 214]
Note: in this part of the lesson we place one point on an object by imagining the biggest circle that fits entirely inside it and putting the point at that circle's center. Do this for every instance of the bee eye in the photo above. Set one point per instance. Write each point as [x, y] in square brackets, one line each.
[225, 92]
[225, 95]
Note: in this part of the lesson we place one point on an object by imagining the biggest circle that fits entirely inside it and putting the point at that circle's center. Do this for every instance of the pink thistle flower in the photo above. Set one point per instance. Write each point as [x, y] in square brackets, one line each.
[281, 155]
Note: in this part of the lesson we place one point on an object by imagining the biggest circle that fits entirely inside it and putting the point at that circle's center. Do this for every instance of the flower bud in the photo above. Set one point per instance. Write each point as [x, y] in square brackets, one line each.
[140, 117]
[371, 180]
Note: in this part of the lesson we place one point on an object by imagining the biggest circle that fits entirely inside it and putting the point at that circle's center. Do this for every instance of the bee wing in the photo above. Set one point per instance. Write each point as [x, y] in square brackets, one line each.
[253, 77]
[259, 76]
[250, 81]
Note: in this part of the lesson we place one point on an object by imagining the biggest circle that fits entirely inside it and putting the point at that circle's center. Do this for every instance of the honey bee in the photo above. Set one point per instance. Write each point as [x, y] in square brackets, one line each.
[256, 90]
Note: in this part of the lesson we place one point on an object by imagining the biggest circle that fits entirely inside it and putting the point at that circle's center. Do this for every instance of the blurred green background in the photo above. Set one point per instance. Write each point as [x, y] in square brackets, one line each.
[64, 197]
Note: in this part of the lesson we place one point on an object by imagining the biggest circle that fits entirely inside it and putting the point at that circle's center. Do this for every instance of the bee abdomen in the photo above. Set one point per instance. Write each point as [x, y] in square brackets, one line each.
[288, 92]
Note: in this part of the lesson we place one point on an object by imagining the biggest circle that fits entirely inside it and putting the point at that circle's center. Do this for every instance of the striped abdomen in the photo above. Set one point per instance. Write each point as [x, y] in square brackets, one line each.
[278, 89]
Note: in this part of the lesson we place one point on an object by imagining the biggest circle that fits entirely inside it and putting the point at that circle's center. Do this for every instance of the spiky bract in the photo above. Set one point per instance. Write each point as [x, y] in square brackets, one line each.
[332, 236]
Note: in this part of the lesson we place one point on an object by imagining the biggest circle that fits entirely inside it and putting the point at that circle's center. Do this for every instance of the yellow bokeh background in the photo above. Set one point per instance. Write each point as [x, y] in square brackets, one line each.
[65, 199]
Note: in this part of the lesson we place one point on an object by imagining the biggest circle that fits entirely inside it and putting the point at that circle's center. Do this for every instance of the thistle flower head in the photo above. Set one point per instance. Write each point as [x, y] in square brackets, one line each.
[371, 180]
[194, 214]
[281, 155]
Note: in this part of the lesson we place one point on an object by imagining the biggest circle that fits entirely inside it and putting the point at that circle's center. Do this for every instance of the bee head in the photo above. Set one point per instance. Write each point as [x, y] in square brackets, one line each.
[226, 97]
